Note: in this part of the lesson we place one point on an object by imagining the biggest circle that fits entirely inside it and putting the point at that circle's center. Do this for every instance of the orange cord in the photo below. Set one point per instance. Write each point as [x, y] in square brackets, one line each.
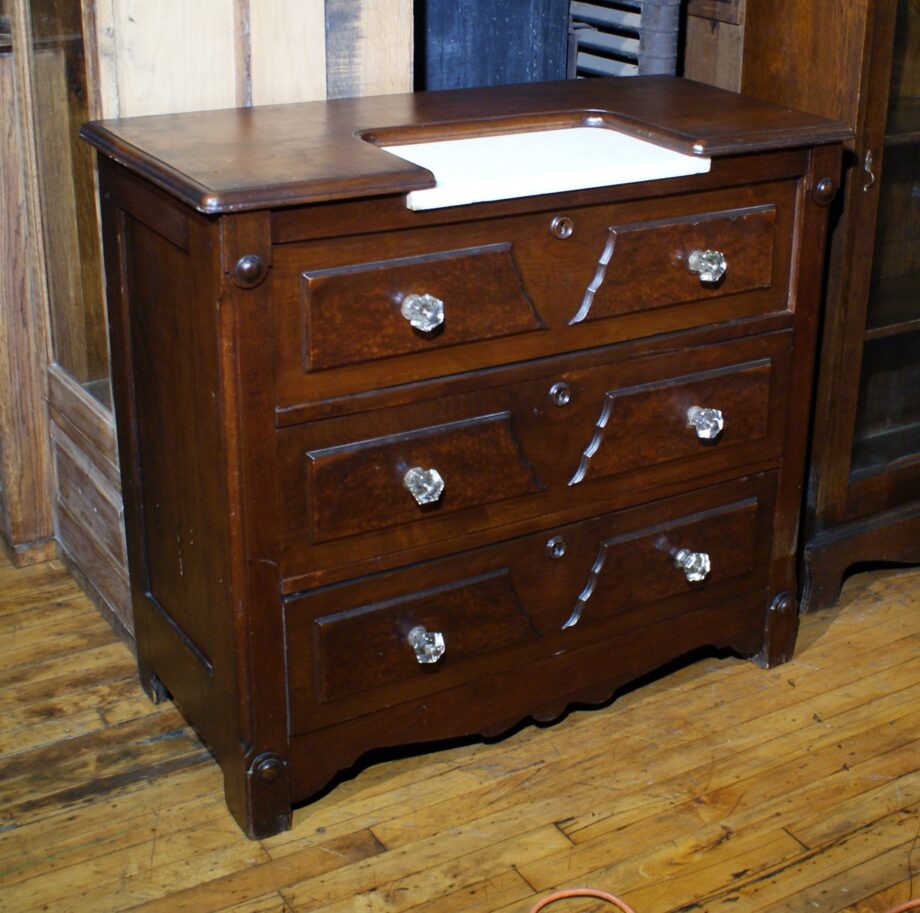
[626, 908]
[581, 892]
[909, 905]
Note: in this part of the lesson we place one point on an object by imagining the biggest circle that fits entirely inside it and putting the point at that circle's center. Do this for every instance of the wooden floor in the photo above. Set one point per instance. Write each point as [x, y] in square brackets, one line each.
[720, 787]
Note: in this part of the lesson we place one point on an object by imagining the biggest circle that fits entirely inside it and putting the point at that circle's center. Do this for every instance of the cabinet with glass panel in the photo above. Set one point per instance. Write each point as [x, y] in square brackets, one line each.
[888, 415]
[859, 62]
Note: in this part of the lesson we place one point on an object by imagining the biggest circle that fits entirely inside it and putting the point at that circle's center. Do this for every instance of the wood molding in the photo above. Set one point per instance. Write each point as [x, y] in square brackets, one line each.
[29, 552]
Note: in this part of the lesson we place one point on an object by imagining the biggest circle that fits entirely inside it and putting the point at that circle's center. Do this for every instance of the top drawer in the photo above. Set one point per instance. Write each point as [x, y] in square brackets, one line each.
[375, 310]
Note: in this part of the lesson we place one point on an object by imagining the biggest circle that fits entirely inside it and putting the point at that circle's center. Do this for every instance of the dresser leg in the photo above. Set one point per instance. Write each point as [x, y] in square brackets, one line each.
[780, 631]
[258, 793]
[153, 687]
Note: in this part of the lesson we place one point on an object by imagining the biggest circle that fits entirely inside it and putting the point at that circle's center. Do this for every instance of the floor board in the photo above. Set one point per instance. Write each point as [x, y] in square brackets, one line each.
[717, 787]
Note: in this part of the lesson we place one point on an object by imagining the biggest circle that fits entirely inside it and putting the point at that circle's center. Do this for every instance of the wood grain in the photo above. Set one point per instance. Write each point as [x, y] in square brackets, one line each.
[815, 61]
[757, 791]
[713, 51]
[25, 466]
[71, 331]
[368, 47]
[288, 50]
[240, 159]
[162, 63]
[152, 58]
[91, 527]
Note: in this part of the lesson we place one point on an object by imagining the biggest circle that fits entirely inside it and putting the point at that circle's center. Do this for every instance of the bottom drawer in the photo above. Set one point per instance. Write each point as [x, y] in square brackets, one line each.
[399, 635]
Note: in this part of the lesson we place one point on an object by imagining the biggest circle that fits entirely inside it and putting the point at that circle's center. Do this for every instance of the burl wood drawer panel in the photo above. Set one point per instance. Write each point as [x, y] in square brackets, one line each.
[398, 635]
[374, 310]
[415, 474]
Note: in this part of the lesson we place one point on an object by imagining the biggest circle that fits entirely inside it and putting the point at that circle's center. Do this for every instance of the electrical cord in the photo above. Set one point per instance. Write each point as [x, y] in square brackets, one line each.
[626, 908]
[581, 892]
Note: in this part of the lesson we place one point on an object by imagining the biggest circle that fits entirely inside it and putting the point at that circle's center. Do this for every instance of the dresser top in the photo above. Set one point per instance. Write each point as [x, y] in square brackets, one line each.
[239, 159]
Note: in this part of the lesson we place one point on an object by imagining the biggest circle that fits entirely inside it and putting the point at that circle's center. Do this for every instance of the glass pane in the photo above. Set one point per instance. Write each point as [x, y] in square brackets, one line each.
[888, 416]
[904, 101]
[894, 298]
[67, 191]
[895, 295]
[888, 420]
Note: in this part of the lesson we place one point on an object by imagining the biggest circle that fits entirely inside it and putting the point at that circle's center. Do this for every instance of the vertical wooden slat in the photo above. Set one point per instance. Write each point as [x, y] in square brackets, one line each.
[288, 44]
[104, 56]
[369, 46]
[712, 52]
[173, 55]
[26, 475]
[242, 38]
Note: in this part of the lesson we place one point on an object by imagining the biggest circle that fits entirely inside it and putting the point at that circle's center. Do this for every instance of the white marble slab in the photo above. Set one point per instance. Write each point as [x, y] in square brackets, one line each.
[477, 169]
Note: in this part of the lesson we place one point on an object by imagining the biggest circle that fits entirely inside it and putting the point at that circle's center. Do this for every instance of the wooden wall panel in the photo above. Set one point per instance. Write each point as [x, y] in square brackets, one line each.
[89, 507]
[490, 42]
[287, 43]
[715, 42]
[173, 55]
[167, 56]
[369, 45]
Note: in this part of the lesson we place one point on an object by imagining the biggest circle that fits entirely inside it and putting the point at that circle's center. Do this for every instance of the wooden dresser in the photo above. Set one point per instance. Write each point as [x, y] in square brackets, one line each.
[394, 476]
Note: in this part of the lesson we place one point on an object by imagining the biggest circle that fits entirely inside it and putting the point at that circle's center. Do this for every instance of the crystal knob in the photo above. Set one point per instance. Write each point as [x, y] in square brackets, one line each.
[429, 646]
[424, 312]
[425, 485]
[695, 565]
[708, 422]
[710, 264]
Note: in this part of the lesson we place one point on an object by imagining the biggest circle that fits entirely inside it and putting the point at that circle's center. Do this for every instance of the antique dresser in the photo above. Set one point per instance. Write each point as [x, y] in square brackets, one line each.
[396, 474]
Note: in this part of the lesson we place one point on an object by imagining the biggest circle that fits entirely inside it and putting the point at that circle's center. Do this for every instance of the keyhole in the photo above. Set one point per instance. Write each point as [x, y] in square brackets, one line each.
[560, 394]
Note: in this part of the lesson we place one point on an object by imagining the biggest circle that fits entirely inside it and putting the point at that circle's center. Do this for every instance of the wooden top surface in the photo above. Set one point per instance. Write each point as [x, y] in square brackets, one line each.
[251, 158]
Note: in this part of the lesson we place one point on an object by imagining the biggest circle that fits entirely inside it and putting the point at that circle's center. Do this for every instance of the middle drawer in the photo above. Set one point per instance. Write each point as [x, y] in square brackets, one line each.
[392, 479]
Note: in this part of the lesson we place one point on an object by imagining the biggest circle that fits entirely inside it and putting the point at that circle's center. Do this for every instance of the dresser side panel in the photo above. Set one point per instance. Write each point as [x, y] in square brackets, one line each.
[162, 264]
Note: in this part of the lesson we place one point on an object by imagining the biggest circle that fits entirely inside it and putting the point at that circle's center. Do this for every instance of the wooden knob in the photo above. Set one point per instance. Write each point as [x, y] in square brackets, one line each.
[268, 767]
[249, 271]
[824, 191]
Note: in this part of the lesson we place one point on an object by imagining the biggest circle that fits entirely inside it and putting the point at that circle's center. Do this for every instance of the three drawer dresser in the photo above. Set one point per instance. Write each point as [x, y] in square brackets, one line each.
[397, 474]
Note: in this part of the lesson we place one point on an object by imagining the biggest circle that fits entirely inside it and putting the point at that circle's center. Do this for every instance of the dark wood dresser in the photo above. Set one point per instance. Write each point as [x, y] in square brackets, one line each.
[393, 476]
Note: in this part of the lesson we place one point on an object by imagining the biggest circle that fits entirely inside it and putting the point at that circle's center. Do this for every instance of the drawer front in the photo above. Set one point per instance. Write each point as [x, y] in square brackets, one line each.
[398, 635]
[417, 474]
[356, 487]
[355, 314]
[647, 265]
[515, 288]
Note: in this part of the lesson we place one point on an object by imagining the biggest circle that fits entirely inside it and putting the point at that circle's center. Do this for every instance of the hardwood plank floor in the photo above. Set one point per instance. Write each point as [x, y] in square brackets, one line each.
[717, 787]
